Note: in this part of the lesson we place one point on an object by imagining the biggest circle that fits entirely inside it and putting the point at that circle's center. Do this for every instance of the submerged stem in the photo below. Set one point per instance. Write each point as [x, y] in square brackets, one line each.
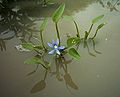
[89, 30]
[77, 28]
[45, 75]
[86, 35]
[95, 34]
[58, 34]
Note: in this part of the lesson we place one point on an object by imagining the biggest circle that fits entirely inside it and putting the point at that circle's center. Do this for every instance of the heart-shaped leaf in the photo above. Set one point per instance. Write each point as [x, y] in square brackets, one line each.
[31, 46]
[38, 47]
[95, 20]
[74, 53]
[37, 60]
[28, 46]
[101, 25]
[44, 24]
[58, 13]
[34, 60]
[73, 41]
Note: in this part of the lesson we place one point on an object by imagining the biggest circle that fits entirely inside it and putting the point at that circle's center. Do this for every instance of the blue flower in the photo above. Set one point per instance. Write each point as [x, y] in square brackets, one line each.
[55, 46]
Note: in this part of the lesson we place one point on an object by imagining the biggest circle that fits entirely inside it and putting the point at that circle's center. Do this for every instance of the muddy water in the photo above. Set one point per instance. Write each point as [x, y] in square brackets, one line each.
[92, 76]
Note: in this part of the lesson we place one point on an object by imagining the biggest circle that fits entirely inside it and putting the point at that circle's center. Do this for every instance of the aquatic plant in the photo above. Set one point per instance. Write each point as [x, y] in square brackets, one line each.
[47, 52]
[42, 27]
[56, 17]
[70, 18]
[57, 50]
[94, 21]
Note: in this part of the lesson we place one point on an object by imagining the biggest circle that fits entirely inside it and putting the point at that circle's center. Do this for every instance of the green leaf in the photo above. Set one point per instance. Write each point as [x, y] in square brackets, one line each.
[37, 60]
[31, 46]
[74, 53]
[95, 20]
[58, 13]
[72, 41]
[28, 46]
[44, 24]
[38, 47]
[101, 25]
[34, 60]
[69, 18]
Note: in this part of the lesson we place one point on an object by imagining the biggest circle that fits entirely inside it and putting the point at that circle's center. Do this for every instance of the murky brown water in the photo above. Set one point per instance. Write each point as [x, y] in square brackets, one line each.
[92, 76]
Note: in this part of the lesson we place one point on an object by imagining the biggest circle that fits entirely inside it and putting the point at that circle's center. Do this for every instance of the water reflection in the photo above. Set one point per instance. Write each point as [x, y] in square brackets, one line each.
[111, 4]
[40, 85]
[14, 23]
[87, 44]
[61, 64]
[42, 2]
[36, 10]
[61, 73]
[3, 42]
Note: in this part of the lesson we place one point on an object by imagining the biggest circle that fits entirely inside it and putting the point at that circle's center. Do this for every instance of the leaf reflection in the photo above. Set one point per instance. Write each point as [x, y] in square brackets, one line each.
[2, 45]
[69, 81]
[60, 73]
[86, 44]
[40, 85]
[62, 64]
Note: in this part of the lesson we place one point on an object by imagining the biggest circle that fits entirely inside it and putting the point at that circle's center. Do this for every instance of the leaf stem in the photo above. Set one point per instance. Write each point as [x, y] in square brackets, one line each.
[58, 34]
[89, 30]
[95, 34]
[77, 29]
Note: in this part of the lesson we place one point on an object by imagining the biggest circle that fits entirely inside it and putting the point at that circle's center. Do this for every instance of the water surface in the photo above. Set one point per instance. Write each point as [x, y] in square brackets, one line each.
[94, 76]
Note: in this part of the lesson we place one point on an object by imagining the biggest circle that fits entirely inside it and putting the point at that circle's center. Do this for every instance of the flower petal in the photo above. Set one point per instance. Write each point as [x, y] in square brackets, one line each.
[50, 45]
[57, 42]
[58, 52]
[51, 52]
[53, 42]
[61, 47]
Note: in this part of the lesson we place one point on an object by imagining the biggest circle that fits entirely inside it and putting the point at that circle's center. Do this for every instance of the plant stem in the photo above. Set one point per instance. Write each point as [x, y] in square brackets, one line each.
[89, 30]
[78, 33]
[41, 36]
[95, 34]
[86, 35]
[58, 35]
